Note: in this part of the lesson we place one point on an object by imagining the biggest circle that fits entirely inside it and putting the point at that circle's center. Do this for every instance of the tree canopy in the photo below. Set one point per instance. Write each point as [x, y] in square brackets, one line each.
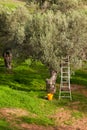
[52, 36]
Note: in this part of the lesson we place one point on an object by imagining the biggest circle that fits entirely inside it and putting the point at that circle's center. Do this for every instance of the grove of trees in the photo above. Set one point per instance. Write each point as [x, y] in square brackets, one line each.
[46, 35]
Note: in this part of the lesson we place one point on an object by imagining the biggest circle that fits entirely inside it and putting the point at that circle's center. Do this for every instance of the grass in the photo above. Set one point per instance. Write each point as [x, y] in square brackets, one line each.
[4, 125]
[77, 115]
[11, 4]
[24, 88]
[80, 77]
[39, 121]
[13, 98]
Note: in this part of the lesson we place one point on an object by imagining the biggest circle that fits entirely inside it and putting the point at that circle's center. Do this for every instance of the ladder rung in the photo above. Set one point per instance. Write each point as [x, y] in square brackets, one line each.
[64, 86]
[64, 72]
[65, 79]
[65, 63]
[65, 91]
[65, 76]
[64, 67]
[66, 96]
[65, 82]
[66, 58]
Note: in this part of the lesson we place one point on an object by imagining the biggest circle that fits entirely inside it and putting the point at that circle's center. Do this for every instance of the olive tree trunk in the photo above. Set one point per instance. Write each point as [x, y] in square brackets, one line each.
[8, 59]
[50, 83]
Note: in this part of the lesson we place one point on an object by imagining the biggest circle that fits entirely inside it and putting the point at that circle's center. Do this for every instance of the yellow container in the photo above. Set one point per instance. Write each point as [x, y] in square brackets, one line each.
[50, 96]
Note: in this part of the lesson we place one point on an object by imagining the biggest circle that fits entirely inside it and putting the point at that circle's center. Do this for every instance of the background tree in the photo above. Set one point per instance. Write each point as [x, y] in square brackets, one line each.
[12, 29]
[5, 35]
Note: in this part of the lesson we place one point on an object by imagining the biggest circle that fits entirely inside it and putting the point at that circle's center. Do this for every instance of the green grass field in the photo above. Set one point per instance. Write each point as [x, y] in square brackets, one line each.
[24, 88]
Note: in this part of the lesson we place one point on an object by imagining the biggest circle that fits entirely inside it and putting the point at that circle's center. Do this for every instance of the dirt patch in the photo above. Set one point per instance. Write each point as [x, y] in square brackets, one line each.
[26, 126]
[12, 114]
[66, 121]
[13, 111]
[80, 124]
[61, 116]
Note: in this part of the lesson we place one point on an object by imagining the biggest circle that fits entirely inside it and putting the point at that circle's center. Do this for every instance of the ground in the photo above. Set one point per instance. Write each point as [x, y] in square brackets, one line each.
[62, 117]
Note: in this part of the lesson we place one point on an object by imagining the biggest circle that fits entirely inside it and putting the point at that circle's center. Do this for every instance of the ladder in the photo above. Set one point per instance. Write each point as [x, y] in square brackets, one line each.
[65, 89]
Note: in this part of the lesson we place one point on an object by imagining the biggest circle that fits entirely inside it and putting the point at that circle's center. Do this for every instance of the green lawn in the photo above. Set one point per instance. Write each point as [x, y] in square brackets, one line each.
[24, 88]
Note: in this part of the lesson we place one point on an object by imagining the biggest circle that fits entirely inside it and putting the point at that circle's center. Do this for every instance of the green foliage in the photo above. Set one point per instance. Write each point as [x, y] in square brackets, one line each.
[17, 24]
[49, 36]
[5, 18]
[67, 5]
[62, 5]
[12, 27]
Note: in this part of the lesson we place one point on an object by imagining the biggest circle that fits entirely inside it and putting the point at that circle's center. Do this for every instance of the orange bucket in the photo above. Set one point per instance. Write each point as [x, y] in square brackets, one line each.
[50, 96]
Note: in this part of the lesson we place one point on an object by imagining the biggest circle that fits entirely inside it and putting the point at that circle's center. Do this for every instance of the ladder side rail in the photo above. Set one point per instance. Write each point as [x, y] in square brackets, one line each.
[65, 78]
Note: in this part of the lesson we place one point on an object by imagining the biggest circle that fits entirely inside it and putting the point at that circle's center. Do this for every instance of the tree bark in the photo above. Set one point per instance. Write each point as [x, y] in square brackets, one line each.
[8, 59]
[50, 83]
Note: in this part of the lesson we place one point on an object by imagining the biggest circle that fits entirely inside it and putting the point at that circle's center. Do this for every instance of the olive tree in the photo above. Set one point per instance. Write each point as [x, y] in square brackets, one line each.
[50, 36]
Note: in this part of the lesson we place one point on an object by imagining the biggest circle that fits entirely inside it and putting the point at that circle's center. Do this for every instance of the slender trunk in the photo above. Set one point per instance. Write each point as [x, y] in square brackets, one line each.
[8, 60]
[50, 83]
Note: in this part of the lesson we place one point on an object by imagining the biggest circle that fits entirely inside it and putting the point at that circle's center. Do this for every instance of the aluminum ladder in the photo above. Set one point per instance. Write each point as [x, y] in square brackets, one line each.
[65, 89]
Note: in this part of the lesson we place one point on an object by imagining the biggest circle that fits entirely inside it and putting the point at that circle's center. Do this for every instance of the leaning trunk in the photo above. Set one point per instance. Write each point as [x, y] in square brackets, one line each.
[50, 83]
